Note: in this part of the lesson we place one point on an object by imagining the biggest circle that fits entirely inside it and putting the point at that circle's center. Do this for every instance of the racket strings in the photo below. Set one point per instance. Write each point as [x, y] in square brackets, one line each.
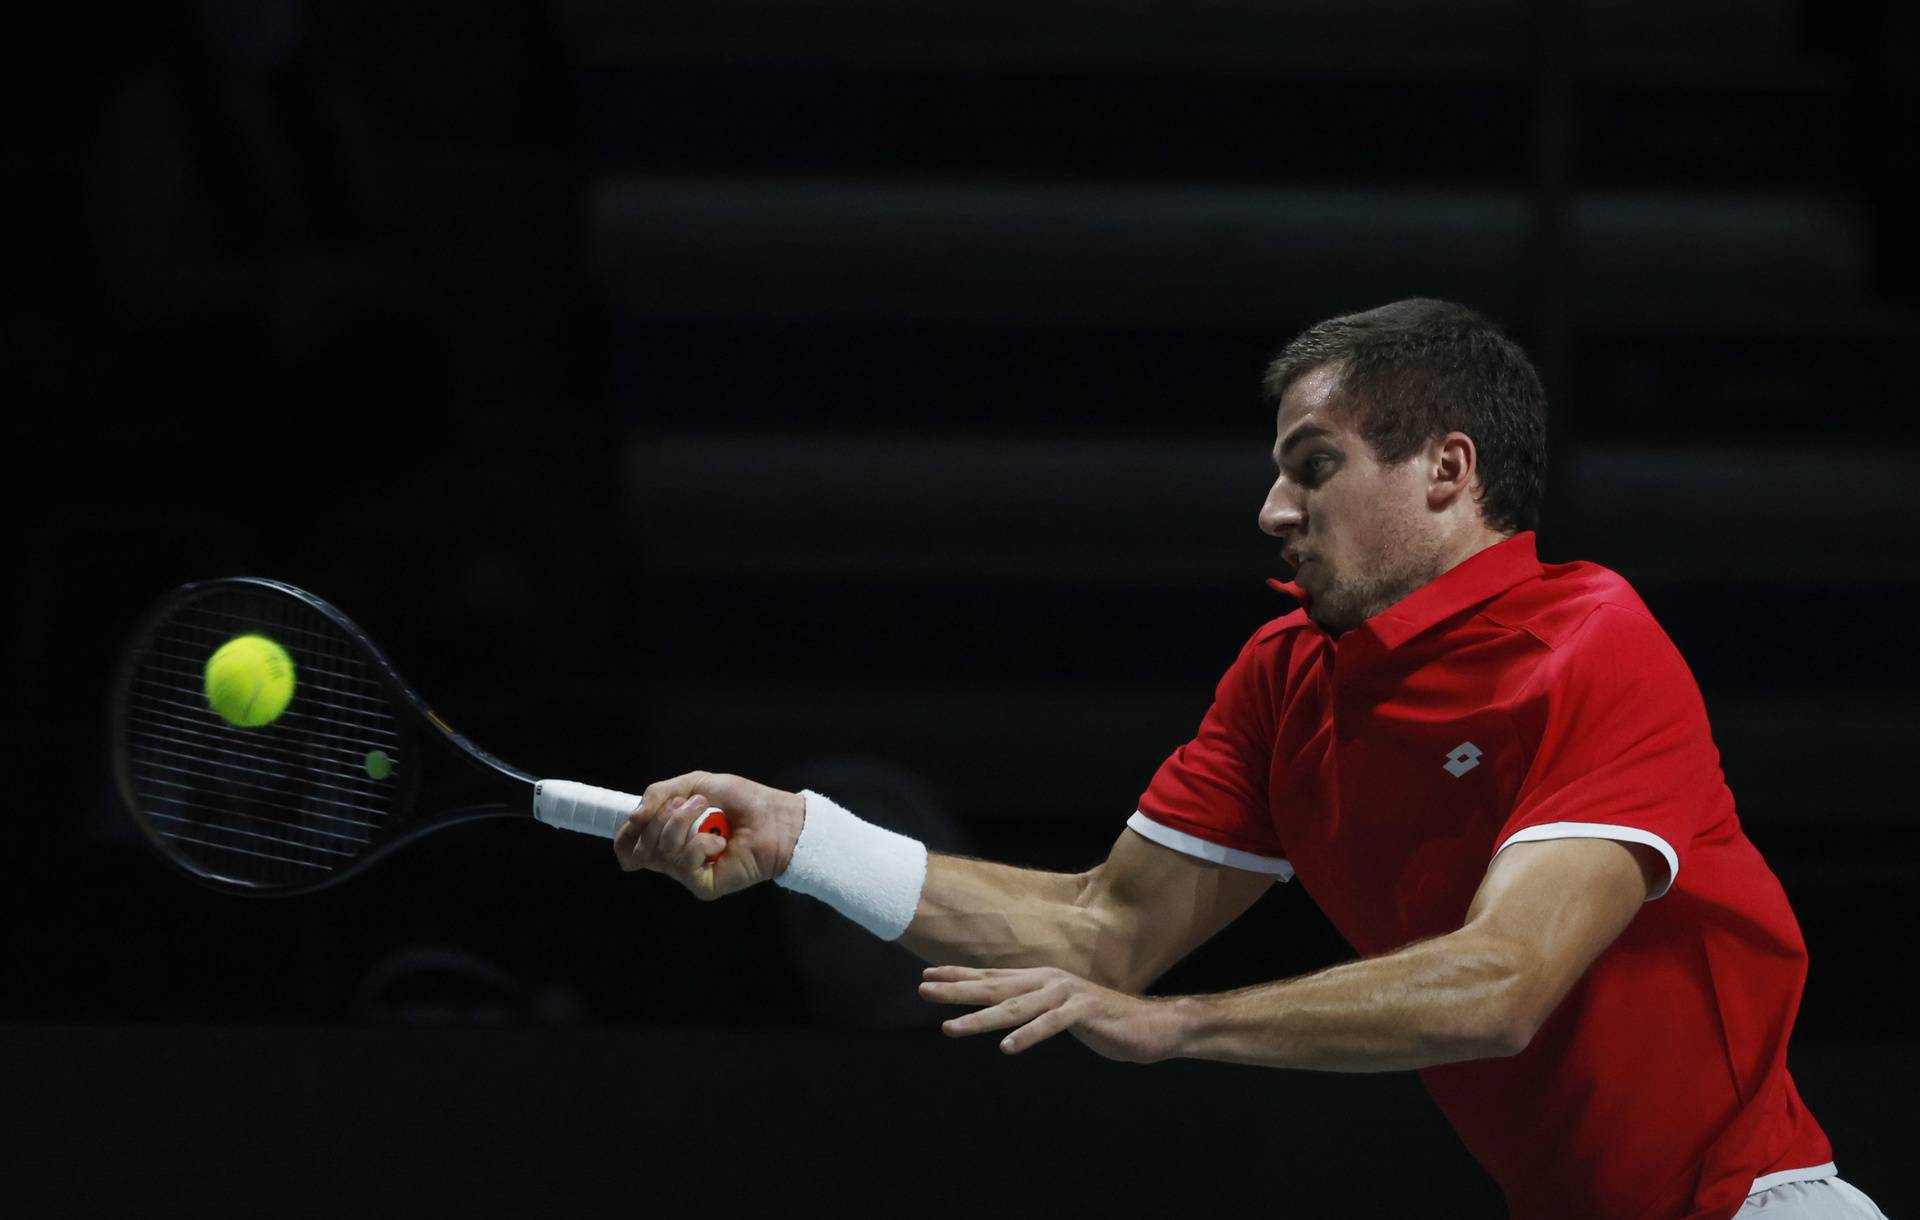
[241, 832]
[276, 805]
[200, 739]
[241, 801]
[352, 724]
[349, 702]
[229, 849]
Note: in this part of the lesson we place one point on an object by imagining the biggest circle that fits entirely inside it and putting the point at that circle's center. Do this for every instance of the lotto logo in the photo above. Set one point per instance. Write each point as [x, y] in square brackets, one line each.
[1464, 758]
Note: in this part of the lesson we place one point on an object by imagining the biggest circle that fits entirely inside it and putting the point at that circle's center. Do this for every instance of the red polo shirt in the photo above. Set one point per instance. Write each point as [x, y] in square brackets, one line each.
[1506, 701]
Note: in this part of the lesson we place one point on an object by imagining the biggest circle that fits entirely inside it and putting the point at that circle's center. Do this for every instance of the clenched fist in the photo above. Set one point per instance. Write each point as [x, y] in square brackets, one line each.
[765, 824]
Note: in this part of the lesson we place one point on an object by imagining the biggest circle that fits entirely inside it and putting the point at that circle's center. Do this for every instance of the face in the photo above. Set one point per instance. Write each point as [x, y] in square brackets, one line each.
[1357, 532]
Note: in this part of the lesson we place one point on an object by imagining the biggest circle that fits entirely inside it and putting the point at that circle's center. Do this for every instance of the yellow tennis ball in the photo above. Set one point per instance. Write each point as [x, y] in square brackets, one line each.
[249, 681]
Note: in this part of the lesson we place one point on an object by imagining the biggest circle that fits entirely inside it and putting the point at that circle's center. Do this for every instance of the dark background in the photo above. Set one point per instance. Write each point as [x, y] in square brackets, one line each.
[863, 395]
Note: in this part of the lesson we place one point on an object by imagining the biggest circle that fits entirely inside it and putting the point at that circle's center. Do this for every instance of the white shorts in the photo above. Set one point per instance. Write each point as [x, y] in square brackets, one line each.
[1820, 1199]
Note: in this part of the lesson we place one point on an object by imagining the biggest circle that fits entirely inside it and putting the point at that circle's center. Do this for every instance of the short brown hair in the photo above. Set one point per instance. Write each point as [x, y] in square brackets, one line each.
[1417, 369]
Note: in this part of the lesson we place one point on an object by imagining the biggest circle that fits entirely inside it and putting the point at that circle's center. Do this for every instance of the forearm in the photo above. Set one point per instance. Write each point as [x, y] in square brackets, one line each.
[978, 913]
[1437, 1001]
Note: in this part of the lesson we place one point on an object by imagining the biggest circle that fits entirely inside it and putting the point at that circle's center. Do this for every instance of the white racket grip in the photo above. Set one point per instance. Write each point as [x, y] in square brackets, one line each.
[575, 806]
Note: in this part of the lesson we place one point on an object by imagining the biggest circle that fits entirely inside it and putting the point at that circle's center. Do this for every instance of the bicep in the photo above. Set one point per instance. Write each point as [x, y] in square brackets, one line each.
[1555, 905]
[1154, 905]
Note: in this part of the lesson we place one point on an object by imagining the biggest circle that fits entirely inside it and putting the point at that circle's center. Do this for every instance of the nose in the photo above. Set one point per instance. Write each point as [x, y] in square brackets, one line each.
[1282, 512]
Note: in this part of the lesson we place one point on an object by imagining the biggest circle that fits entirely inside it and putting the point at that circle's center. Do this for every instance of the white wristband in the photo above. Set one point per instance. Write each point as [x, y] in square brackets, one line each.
[868, 873]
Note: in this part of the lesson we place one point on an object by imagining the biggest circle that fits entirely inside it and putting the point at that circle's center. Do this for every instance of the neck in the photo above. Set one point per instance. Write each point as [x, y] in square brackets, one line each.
[1463, 546]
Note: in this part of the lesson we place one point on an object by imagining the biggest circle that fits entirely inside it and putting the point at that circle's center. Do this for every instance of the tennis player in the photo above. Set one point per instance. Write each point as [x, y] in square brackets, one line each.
[1493, 774]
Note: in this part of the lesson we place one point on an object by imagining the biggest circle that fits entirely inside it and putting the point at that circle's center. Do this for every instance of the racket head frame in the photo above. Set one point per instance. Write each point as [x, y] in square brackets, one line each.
[490, 787]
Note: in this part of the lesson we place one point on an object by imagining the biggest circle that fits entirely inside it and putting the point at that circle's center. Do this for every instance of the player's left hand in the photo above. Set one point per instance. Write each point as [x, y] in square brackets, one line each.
[1043, 1000]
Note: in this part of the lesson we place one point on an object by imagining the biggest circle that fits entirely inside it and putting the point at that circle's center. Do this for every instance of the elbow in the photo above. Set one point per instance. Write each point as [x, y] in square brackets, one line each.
[1519, 1019]
[1495, 1032]
[1106, 943]
[1083, 886]
[1513, 1036]
[1516, 1011]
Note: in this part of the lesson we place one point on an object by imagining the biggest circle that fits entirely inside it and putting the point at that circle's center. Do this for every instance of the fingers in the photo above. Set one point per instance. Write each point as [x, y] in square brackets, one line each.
[665, 792]
[663, 839]
[672, 832]
[705, 849]
[1014, 997]
[625, 840]
[1038, 1030]
[974, 985]
[946, 973]
[1039, 1001]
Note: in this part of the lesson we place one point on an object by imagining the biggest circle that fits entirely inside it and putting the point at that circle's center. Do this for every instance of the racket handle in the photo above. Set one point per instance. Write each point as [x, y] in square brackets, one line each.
[602, 811]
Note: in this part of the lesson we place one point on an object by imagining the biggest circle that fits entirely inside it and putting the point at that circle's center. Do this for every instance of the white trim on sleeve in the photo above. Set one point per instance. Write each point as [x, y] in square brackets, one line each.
[1785, 1176]
[1180, 841]
[1602, 830]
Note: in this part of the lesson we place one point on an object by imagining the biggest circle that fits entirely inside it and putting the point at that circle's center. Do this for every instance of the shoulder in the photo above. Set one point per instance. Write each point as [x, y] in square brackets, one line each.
[1574, 607]
[1281, 645]
[1596, 635]
[1279, 633]
[1262, 672]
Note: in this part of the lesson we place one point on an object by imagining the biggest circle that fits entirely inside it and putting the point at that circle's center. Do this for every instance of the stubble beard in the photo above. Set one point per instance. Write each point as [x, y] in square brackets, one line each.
[1346, 603]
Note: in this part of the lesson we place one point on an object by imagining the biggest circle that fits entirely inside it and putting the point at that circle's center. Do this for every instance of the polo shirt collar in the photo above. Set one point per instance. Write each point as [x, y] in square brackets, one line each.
[1479, 578]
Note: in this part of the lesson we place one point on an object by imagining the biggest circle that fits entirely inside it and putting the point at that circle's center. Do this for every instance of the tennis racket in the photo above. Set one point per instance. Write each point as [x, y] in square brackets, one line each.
[354, 767]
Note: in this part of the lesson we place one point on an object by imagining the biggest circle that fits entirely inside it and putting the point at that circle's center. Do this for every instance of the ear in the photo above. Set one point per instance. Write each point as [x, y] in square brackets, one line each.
[1452, 465]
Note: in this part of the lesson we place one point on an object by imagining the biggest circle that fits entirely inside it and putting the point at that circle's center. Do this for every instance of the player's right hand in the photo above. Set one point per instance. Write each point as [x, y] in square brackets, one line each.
[765, 824]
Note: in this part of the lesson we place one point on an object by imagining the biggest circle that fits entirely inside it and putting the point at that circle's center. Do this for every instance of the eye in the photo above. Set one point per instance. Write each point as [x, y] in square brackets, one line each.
[1315, 467]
